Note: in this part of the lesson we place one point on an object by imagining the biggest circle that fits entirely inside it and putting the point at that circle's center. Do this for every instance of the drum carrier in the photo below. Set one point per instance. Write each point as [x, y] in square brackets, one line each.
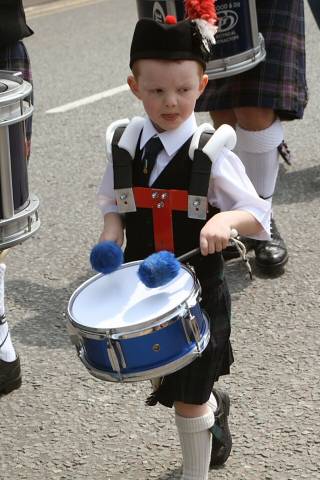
[239, 45]
[18, 211]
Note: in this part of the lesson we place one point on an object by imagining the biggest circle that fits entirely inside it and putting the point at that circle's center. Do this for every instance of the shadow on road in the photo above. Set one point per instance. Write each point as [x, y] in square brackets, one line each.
[298, 186]
[45, 326]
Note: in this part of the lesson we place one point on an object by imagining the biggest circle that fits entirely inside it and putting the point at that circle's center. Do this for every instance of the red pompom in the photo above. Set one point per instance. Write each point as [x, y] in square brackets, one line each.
[201, 9]
[170, 20]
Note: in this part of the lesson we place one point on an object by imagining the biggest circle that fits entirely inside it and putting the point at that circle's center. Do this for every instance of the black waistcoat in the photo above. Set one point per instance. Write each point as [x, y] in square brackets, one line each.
[186, 231]
[13, 26]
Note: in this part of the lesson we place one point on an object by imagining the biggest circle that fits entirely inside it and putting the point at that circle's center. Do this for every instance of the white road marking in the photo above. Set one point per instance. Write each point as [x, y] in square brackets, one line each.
[86, 100]
[57, 7]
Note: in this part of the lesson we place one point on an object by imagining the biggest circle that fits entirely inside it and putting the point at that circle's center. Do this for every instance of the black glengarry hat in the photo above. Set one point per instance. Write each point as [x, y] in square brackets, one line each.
[189, 39]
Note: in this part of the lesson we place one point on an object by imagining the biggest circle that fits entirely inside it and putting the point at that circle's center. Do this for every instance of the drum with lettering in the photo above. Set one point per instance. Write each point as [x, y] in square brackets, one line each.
[239, 46]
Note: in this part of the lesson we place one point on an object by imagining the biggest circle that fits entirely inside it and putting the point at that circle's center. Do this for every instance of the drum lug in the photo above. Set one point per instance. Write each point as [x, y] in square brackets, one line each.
[116, 357]
[191, 327]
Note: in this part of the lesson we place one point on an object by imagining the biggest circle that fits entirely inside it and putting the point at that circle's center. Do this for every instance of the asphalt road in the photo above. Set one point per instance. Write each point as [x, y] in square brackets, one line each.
[63, 423]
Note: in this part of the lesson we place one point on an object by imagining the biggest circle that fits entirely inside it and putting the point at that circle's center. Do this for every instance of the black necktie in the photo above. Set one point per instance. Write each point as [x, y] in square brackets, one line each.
[151, 150]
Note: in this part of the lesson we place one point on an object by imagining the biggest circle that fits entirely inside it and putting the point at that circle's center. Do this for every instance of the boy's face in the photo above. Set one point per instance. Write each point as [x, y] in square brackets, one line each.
[168, 90]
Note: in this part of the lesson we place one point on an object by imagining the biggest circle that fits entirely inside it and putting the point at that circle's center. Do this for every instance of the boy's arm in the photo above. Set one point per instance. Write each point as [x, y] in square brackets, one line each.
[112, 228]
[215, 235]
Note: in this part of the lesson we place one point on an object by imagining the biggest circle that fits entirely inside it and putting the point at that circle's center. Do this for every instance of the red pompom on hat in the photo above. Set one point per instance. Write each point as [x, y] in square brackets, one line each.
[201, 9]
[170, 20]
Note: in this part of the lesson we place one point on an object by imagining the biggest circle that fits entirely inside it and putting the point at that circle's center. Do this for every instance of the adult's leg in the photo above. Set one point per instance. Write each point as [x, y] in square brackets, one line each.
[223, 116]
[259, 133]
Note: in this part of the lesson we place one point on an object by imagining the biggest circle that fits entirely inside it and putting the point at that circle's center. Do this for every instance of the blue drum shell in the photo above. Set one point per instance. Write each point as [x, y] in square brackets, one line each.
[161, 347]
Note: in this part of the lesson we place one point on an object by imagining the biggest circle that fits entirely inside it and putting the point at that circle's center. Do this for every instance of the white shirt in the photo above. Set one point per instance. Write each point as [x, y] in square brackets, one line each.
[229, 185]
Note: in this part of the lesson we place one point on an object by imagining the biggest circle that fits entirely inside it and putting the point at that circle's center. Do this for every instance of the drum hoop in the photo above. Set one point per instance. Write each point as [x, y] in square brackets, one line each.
[27, 112]
[132, 331]
[31, 206]
[25, 89]
[228, 66]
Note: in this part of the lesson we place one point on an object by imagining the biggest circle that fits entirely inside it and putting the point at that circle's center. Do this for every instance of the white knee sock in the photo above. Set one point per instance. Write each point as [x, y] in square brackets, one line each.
[195, 440]
[259, 153]
[7, 352]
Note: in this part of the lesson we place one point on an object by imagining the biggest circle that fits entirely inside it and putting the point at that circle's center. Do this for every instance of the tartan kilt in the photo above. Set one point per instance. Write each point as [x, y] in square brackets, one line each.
[15, 57]
[279, 82]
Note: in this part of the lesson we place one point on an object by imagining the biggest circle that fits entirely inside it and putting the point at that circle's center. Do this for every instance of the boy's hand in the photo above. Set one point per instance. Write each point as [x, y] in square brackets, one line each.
[216, 233]
[214, 237]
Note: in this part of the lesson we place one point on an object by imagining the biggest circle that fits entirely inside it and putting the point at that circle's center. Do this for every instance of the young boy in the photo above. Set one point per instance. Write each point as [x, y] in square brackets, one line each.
[168, 62]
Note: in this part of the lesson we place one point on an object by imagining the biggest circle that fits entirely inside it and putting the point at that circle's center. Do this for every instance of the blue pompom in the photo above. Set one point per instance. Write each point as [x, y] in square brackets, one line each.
[106, 257]
[158, 269]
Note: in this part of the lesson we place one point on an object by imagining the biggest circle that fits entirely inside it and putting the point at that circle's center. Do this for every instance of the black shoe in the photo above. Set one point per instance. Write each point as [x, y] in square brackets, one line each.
[232, 252]
[221, 436]
[10, 376]
[271, 255]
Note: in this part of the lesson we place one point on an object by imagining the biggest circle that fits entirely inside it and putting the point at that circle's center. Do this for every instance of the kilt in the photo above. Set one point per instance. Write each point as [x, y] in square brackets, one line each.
[279, 82]
[15, 57]
[193, 384]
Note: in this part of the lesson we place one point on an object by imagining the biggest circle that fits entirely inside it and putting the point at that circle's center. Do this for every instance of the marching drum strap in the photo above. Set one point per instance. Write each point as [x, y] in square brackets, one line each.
[123, 166]
[201, 169]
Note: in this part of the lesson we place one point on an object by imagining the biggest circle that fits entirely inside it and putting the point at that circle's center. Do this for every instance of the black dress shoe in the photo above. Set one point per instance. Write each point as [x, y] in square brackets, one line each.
[271, 255]
[10, 376]
[221, 436]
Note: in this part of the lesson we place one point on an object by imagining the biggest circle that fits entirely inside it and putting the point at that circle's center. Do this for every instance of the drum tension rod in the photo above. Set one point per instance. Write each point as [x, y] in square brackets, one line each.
[116, 357]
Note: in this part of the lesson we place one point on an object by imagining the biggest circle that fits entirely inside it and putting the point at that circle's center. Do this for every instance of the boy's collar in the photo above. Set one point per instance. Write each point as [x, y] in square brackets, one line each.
[172, 140]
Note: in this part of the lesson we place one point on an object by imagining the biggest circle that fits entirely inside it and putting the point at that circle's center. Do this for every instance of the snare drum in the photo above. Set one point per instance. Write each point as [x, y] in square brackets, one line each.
[239, 46]
[18, 210]
[126, 332]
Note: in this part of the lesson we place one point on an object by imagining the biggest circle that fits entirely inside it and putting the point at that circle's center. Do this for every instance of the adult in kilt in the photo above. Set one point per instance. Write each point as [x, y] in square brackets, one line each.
[14, 57]
[255, 103]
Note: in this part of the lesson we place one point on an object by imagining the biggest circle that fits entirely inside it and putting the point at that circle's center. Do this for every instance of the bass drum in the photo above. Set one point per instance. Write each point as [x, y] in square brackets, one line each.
[239, 46]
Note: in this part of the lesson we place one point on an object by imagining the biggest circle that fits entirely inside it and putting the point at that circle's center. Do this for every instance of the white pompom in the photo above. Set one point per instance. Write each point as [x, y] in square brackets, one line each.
[207, 31]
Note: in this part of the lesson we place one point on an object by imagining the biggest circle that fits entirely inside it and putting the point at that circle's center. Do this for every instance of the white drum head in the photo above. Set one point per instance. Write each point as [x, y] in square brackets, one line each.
[120, 300]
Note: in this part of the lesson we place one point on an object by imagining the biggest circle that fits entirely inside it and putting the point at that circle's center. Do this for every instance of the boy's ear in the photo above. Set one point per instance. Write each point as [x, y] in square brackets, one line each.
[203, 83]
[133, 84]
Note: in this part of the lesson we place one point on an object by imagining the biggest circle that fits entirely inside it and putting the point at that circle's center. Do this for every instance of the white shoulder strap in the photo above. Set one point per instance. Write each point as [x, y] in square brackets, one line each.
[129, 137]
[224, 136]
[204, 127]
